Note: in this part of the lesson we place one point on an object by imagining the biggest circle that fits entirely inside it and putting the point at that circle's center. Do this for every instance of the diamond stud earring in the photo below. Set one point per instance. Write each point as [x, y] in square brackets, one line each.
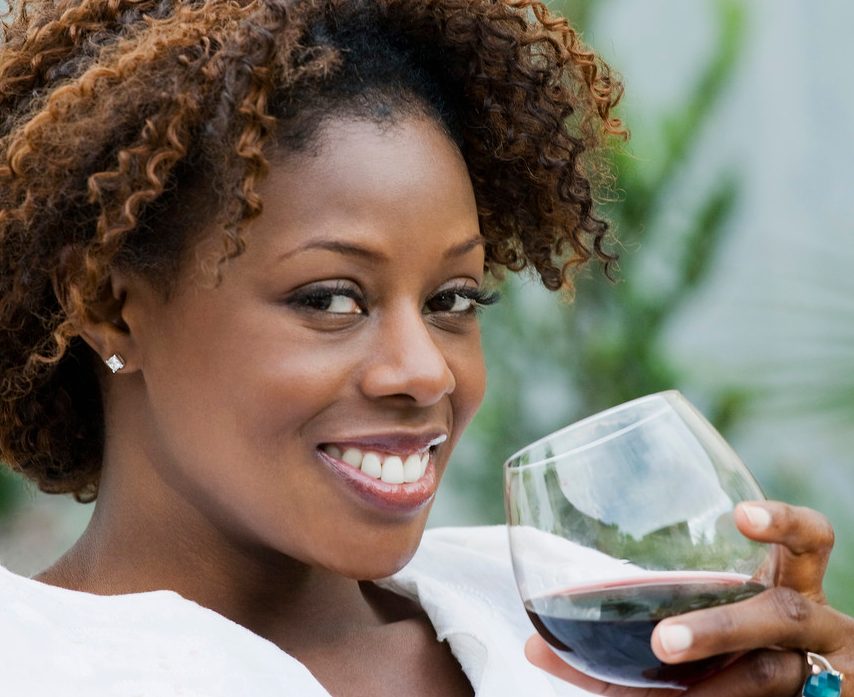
[115, 363]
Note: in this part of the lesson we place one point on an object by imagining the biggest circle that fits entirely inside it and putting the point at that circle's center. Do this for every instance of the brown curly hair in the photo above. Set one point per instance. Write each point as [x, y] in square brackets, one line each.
[113, 112]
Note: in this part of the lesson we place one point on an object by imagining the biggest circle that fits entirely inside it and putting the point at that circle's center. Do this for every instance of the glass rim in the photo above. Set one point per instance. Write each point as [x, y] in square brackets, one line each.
[664, 394]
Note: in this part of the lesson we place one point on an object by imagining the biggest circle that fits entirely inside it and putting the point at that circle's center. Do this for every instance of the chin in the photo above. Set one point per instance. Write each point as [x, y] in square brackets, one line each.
[374, 562]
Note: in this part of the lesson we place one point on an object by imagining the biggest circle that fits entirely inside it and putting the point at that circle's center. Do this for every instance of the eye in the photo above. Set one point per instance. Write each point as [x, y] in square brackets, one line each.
[460, 300]
[341, 304]
[338, 299]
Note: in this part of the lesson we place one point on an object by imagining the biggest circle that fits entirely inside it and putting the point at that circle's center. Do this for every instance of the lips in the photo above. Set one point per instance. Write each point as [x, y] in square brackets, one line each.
[393, 473]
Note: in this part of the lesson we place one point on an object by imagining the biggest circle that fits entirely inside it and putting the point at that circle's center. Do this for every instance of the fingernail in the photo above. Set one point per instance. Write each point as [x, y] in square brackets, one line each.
[758, 517]
[675, 638]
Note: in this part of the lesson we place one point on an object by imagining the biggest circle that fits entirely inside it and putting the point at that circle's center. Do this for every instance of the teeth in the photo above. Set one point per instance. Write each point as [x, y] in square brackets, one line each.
[412, 468]
[352, 456]
[390, 468]
[372, 465]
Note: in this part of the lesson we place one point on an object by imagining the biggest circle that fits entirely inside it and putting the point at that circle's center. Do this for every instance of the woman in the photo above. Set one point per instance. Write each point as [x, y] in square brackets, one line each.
[242, 250]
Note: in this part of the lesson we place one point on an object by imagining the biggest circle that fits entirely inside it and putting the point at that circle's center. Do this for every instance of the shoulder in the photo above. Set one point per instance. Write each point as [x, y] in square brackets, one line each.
[472, 562]
[463, 579]
[157, 644]
[472, 545]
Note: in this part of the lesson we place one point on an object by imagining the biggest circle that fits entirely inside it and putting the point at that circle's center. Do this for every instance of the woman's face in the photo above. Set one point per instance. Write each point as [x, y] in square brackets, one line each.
[342, 346]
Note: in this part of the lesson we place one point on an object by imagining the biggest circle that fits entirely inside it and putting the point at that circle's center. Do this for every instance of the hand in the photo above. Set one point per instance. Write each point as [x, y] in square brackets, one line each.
[773, 629]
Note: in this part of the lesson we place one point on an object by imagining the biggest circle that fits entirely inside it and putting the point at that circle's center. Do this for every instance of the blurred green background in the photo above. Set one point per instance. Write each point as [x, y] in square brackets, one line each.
[734, 282]
[734, 214]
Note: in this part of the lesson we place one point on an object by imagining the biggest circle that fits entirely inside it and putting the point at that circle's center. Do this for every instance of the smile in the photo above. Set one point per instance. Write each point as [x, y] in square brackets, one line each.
[396, 474]
[391, 468]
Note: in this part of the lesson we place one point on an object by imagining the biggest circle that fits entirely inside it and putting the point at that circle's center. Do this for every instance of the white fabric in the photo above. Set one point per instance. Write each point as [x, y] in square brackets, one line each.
[59, 642]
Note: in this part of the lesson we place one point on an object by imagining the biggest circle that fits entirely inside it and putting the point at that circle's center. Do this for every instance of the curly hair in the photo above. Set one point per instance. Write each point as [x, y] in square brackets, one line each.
[114, 114]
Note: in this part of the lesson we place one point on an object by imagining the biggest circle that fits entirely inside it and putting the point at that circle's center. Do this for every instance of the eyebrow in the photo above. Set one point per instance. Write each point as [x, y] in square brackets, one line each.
[463, 248]
[351, 249]
[335, 246]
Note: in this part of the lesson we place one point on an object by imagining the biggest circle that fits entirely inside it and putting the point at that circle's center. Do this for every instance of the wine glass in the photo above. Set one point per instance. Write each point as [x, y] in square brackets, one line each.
[623, 519]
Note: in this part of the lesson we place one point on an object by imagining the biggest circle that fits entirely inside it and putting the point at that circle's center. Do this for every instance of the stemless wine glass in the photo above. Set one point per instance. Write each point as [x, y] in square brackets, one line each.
[623, 519]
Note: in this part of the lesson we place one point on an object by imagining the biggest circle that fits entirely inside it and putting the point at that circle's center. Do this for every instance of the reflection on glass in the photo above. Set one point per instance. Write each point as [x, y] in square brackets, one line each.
[623, 519]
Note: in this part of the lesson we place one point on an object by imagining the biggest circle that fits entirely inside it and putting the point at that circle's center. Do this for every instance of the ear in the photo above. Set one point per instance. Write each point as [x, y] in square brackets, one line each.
[102, 325]
[105, 329]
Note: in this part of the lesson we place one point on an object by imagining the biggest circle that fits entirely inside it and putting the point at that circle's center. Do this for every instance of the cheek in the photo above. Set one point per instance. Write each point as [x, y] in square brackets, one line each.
[228, 419]
[254, 390]
[287, 388]
[223, 381]
[469, 371]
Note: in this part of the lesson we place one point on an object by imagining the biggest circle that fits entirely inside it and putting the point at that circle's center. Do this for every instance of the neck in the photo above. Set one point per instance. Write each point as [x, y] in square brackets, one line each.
[143, 543]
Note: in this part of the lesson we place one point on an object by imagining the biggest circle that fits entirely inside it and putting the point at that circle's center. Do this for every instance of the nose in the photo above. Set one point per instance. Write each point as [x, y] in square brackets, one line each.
[406, 361]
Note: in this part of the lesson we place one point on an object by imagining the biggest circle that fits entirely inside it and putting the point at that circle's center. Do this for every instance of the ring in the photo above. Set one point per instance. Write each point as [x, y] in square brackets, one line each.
[823, 680]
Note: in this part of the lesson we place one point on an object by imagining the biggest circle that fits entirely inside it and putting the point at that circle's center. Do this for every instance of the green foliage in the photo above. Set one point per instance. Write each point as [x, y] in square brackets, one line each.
[618, 328]
[11, 492]
[553, 362]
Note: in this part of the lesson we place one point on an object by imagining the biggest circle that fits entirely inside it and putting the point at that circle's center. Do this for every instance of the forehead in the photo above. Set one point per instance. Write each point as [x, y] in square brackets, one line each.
[360, 161]
[388, 184]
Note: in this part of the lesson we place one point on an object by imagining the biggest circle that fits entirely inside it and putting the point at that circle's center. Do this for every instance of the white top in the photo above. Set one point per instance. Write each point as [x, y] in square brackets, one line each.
[59, 642]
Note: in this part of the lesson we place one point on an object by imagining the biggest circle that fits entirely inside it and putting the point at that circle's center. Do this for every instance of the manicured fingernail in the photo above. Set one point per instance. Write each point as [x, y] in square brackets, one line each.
[759, 518]
[675, 638]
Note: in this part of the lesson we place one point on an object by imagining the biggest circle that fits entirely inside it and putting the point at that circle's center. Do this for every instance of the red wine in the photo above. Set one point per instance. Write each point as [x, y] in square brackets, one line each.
[604, 630]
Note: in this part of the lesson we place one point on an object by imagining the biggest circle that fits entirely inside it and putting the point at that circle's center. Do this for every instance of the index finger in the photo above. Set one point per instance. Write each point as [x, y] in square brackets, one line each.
[805, 537]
